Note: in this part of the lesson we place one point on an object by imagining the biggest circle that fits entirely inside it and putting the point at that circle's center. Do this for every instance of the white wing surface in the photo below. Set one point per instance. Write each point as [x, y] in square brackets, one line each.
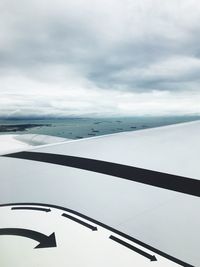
[139, 188]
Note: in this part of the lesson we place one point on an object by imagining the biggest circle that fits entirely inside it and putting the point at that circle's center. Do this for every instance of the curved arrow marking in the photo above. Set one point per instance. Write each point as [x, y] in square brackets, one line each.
[44, 241]
[130, 238]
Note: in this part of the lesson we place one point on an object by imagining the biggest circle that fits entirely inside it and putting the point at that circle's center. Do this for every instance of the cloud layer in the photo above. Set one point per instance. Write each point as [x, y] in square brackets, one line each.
[92, 57]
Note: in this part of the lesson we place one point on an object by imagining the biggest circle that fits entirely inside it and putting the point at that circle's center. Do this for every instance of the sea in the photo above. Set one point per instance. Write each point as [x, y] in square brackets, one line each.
[77, 128]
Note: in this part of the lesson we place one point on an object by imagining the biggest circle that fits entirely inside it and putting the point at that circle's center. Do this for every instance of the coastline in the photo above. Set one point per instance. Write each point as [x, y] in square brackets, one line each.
[78, 128]
[19, 127]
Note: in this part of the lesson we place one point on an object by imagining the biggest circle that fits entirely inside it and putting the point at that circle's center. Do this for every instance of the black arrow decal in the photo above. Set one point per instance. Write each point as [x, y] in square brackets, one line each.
[93, 228]
[31, 208]
[122, 234]
[141, 252]
[44, 241]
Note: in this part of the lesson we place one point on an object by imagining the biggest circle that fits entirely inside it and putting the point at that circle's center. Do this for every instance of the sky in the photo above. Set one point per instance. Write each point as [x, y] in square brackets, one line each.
[99, 58]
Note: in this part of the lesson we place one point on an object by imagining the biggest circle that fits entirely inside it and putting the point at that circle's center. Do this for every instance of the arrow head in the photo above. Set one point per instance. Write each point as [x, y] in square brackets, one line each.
[48, 210]
[153, 258]
[94, 228]
[47, 242]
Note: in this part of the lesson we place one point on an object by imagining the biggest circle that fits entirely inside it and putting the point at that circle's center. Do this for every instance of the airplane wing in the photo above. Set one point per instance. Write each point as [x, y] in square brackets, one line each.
[126, 199]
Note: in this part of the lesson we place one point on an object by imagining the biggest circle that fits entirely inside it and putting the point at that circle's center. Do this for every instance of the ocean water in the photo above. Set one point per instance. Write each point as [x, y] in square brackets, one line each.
[76, 128]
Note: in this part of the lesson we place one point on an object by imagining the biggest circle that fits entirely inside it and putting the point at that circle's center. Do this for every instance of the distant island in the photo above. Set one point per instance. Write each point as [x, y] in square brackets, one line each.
[19, 127]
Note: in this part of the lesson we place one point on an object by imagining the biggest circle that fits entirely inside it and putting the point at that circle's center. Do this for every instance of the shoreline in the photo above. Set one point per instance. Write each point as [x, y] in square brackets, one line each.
[19, 127]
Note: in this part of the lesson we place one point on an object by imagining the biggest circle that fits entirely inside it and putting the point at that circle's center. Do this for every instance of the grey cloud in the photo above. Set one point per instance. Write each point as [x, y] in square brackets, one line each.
[116, 46]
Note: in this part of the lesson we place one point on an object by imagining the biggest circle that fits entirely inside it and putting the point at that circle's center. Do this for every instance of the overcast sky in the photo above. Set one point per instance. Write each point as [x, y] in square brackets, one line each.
[99, 57]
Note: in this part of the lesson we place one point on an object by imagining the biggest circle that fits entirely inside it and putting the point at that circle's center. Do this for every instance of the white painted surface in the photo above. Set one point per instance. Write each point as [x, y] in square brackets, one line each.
[77, 246]
[171, 149]
[164, 219]
[40, 139]
[8, 144]
[12, 143]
